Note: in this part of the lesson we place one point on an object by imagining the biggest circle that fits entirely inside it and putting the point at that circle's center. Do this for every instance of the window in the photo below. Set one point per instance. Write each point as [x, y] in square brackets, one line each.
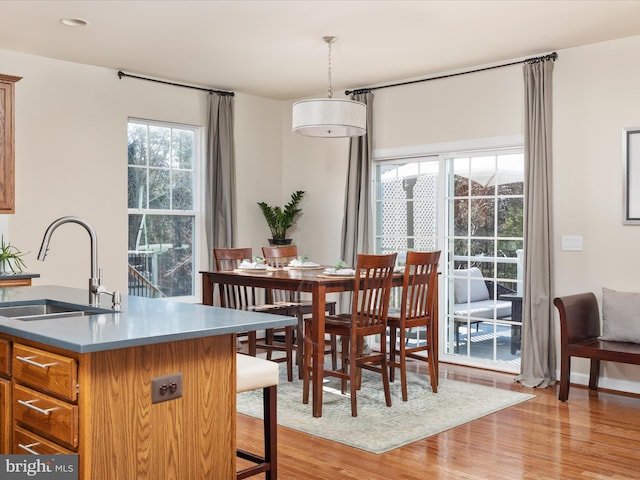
[470, 205]
[406, 205]
[484, 238]
[162, 200]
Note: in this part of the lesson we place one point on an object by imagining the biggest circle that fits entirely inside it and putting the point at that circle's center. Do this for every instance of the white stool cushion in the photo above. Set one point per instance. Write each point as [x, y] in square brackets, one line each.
[253, 373]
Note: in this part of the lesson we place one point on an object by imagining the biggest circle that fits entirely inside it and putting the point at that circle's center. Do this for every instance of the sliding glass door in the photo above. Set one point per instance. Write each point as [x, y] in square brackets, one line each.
[470, 206]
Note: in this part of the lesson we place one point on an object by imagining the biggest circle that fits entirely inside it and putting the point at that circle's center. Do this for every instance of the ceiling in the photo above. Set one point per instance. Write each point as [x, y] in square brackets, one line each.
[275, 49]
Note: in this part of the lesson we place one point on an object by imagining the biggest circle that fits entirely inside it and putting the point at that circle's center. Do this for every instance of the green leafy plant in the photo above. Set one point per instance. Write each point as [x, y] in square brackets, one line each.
[279, 220]
[11, 258]
[340, 264]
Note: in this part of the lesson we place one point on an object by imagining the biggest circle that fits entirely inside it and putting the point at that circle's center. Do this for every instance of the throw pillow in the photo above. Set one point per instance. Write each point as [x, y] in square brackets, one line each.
[469, 286]
[620, 316]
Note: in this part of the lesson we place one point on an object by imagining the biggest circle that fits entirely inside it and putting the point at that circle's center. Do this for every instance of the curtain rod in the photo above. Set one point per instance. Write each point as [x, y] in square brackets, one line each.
[543, 58]
[210, 90]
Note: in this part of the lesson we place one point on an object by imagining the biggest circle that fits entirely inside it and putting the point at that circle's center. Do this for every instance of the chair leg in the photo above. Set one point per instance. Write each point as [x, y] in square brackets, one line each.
[403, 364]
[334, 352]
[252, 343]
[268, 339]
[288, 340]
[358, 354]
[565, 372]
[433, 361]
[306, 376]
[300, 346]
[346, 358]
[392, 354]
[594, 374]
[269, 463]
[333, 342]
[385, 375]
[271, 432]
[353, 380]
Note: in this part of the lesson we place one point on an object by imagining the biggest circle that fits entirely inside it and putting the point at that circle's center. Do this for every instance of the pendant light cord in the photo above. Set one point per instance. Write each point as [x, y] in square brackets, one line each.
[329, 41]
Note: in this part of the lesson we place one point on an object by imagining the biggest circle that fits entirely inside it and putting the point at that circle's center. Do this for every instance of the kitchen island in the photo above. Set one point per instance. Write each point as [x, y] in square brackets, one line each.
[113, 361]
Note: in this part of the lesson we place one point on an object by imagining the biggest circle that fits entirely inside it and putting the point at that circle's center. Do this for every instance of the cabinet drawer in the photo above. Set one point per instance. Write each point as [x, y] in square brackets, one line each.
[45, 371]
[5, 357]
[46, 415]
[26, 442]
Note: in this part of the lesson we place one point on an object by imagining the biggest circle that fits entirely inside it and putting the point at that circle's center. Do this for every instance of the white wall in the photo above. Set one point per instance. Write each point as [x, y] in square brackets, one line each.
[595, 95]
[71, 159]
[474, 106]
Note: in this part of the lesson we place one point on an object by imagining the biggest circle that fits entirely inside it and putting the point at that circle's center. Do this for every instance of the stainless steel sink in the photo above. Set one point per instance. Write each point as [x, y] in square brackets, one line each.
[43, 309]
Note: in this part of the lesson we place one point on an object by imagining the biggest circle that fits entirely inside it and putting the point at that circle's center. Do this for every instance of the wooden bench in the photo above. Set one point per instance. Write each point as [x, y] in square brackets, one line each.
[579, 332]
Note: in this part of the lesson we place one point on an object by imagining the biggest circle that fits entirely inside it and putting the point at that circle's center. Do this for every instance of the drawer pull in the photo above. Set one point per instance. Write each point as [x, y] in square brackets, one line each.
[34, 363]
[27, 448]
[29, 404]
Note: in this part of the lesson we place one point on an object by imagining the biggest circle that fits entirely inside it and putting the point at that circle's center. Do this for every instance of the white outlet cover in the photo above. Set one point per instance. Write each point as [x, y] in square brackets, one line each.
[572, 242]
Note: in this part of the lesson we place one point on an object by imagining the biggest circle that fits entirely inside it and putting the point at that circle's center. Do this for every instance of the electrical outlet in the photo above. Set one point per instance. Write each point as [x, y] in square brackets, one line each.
[166, 388]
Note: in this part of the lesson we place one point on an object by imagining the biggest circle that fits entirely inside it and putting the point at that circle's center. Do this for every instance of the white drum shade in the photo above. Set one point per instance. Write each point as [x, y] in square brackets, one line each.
[329, 117]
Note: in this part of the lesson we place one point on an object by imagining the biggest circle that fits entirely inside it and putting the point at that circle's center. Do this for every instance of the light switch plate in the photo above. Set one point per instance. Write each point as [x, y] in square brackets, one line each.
[572, 242]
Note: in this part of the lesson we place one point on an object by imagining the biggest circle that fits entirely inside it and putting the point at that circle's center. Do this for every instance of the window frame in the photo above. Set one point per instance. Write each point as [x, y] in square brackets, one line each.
[197, 200]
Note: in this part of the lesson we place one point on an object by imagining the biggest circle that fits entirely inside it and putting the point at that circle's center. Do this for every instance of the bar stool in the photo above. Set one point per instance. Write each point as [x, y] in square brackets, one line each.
[253, 373]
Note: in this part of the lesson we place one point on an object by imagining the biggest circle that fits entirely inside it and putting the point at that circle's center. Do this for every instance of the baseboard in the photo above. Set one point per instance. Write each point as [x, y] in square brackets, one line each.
[614, 384]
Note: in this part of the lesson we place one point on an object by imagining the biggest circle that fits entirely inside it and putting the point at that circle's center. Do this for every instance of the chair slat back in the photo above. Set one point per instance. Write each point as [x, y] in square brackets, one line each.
[419, 284]
[279, 257]
[234, 296]
[372, 290]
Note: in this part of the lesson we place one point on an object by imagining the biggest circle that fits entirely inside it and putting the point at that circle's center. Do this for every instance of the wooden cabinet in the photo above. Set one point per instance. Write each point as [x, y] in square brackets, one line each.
[44, 397]
[48, 372]
[99, 405]
[7, 144]
[5, 396]
[5, 416]
[14, 282]
[26, 442]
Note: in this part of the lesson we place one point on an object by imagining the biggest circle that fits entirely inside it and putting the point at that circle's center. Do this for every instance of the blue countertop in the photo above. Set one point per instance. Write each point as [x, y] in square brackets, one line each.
[140, 321]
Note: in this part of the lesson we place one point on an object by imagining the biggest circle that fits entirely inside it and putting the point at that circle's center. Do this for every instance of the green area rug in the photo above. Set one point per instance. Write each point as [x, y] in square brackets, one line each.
[379, 428]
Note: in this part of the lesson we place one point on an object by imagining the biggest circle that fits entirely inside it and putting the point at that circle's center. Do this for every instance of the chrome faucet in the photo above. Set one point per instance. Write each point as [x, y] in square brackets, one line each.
[95, 282]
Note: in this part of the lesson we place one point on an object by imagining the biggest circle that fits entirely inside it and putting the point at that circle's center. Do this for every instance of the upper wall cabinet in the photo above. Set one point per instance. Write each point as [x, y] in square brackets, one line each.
[7, 145]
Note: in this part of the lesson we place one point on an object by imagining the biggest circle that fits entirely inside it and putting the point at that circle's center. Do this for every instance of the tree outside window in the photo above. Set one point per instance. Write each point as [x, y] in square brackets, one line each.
[161, 200]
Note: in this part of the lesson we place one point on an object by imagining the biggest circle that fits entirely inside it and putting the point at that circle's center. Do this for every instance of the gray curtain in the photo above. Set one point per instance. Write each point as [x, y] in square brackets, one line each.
[220, 176]
[538, 365]
[357, 224]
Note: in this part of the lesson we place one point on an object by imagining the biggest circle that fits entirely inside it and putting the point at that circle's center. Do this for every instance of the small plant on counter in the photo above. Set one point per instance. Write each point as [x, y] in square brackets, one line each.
[10, 258]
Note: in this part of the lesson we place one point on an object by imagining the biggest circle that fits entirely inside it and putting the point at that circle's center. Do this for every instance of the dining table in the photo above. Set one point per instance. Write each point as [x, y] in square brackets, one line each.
[310, 280]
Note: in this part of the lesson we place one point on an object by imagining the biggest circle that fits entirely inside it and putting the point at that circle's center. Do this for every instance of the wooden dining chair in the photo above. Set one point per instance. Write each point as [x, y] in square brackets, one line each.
[371, 291]
[280, 257]
[418, 310]
[246, 298]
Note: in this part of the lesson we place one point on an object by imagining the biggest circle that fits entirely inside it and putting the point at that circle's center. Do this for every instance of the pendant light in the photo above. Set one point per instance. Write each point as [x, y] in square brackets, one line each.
[329, 117]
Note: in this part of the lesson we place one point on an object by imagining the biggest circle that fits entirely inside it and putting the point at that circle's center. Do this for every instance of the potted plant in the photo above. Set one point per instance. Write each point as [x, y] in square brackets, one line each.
[10, 258]
[279, 220]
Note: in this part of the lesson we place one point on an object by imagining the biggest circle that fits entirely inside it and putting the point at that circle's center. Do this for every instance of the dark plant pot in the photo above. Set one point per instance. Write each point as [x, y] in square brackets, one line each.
[279, 241]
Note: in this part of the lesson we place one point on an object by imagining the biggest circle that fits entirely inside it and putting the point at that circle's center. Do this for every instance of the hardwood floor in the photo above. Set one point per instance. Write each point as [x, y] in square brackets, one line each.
[592, 436]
